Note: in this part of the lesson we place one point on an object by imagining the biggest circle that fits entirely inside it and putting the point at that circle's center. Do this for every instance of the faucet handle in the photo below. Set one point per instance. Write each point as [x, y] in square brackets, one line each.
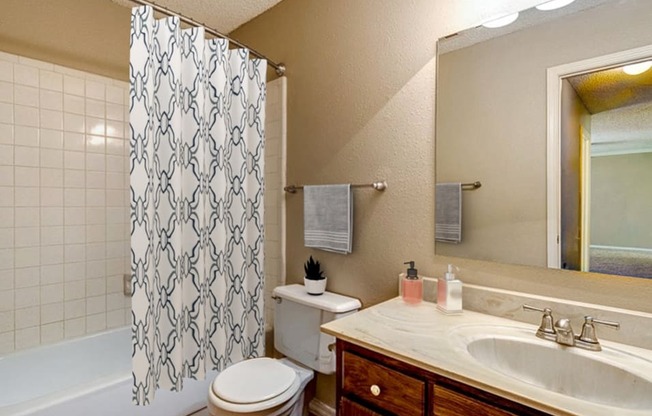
[588, 330]
[613, 324]
[546, 329]
[527, 307]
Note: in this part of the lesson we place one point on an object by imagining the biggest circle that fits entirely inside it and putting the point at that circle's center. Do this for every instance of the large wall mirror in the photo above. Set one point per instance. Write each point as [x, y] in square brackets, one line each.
[566, 181]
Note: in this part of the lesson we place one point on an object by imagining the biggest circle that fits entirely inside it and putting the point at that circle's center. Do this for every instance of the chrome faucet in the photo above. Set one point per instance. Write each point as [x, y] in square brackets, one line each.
[565, 334]
[562, 333]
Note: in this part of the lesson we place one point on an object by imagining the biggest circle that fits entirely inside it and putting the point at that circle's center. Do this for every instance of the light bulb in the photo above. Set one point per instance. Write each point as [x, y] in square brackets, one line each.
[554, 4]
[501, 21]
[638, 68]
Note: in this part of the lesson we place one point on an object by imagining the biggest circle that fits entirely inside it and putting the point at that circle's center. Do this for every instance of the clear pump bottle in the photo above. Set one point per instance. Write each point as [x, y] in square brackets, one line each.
[412, 285]
[449, 293]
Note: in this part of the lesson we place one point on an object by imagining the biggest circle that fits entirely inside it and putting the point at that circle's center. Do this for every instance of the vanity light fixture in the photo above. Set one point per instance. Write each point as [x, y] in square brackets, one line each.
[554, 4]
[501, 21]
[638, 68]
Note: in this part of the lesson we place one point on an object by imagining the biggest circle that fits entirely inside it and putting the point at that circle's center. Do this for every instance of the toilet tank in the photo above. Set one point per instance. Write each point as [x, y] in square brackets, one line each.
[297, 318]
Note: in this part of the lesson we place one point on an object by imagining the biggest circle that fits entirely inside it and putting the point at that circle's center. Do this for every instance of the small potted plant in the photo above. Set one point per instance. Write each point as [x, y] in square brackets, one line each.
[314, 280]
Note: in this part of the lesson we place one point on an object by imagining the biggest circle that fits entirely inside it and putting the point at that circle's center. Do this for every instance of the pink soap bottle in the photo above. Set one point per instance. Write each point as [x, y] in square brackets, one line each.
[412, 285]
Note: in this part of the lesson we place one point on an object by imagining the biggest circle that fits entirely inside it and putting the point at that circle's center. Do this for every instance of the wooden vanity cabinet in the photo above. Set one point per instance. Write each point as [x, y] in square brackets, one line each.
[372, 384]
[351, 408]
[447, 402]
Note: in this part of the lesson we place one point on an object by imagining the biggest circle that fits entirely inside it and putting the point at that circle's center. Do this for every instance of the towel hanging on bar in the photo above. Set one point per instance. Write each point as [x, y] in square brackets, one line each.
[328, 218]
[448, 212]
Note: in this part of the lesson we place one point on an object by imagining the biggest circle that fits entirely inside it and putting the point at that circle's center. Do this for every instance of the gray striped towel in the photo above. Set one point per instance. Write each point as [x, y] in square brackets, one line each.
[328, 217]
[448, 212]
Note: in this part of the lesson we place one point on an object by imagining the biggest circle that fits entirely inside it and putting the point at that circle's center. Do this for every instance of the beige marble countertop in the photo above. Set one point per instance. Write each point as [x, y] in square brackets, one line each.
[422, 336]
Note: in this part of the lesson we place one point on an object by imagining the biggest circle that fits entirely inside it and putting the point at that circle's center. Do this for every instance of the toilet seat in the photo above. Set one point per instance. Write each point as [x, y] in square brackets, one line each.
[254, 385]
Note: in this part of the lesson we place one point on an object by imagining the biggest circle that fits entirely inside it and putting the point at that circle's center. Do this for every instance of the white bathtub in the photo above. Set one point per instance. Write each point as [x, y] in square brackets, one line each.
[86, 376]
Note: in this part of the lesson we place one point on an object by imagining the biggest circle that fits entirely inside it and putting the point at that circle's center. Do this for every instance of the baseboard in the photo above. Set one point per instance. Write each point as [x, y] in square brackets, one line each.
[319, 408]
[618, 248]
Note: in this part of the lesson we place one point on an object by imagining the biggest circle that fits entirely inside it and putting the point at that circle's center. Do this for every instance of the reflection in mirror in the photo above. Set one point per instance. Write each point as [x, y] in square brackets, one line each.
[492, 126]
[606, 120]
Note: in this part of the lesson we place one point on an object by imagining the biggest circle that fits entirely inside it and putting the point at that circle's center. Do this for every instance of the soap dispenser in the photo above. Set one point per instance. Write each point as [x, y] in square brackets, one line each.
[449, 293]
[412, 285]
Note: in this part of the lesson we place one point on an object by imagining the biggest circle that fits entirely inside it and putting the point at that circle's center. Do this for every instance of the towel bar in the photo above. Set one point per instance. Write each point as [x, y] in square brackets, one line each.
[471, 186]
[379, 186]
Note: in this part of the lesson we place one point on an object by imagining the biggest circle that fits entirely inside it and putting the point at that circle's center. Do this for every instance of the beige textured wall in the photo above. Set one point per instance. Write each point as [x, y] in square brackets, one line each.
[90, 35]
[361, 107]
[621, 200]
[493, 124]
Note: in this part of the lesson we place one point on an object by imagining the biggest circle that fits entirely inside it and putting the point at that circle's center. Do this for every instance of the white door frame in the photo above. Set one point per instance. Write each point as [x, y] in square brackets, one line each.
[554, 77]
[585, 243]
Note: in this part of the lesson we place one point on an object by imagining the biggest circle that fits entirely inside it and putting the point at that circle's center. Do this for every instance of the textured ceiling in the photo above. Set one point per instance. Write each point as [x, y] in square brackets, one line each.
[622, 131]
[612, 88]
[621, 108]
[221, 15]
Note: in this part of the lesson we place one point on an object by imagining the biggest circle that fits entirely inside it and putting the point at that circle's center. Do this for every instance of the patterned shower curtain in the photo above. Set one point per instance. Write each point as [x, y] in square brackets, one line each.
[197, 141]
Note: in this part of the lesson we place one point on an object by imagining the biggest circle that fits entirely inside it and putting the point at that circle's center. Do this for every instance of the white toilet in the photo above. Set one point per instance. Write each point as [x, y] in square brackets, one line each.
[266, 386]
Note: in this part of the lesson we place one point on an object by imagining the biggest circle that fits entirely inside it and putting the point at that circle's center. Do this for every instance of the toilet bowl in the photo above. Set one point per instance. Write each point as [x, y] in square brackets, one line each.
[271, 387]
[260, 386]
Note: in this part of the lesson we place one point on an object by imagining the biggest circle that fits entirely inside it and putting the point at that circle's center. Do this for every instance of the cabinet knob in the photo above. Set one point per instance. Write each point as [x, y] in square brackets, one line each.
[375, 390]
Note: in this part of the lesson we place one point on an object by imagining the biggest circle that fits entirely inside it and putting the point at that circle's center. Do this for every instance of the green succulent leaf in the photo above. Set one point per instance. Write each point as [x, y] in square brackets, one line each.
[313, 270]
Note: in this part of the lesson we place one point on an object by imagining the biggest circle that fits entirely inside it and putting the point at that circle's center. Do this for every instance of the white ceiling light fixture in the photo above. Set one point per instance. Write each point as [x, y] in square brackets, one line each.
[638, 68]
[553, 4]
[501, 21]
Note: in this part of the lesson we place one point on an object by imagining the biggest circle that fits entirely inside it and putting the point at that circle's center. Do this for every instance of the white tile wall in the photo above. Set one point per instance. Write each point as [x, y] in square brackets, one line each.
[275, 139]
[63, 212]
[64, 235]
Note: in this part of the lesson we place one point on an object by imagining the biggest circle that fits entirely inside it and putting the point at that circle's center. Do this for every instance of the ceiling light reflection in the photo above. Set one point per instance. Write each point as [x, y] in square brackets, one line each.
[554, 4]
[502, 21]
[638, 68]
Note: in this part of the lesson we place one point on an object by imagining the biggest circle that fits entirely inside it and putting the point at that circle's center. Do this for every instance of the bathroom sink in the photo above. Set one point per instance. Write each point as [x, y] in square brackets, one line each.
[610, 377]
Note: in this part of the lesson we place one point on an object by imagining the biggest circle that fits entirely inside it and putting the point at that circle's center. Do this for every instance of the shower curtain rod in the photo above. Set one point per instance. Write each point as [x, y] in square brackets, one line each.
[278, 67]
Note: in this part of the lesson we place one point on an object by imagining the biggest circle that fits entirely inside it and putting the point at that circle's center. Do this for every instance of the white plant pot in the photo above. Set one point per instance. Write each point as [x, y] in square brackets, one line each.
[315, 287]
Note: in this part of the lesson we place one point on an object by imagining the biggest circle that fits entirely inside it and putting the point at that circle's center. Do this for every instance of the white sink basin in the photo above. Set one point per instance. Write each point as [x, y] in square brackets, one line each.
[611, 377]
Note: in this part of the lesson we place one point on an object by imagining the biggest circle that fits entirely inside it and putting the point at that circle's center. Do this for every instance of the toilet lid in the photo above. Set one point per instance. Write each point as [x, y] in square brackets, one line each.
[254, 380]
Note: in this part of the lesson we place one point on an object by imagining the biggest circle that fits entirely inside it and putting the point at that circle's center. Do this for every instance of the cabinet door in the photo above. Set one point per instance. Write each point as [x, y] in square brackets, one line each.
[382, 387]
[450, 403]
[349, 408]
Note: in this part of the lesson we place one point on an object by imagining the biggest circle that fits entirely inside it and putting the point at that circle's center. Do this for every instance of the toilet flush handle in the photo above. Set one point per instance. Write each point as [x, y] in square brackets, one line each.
[331, 347]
